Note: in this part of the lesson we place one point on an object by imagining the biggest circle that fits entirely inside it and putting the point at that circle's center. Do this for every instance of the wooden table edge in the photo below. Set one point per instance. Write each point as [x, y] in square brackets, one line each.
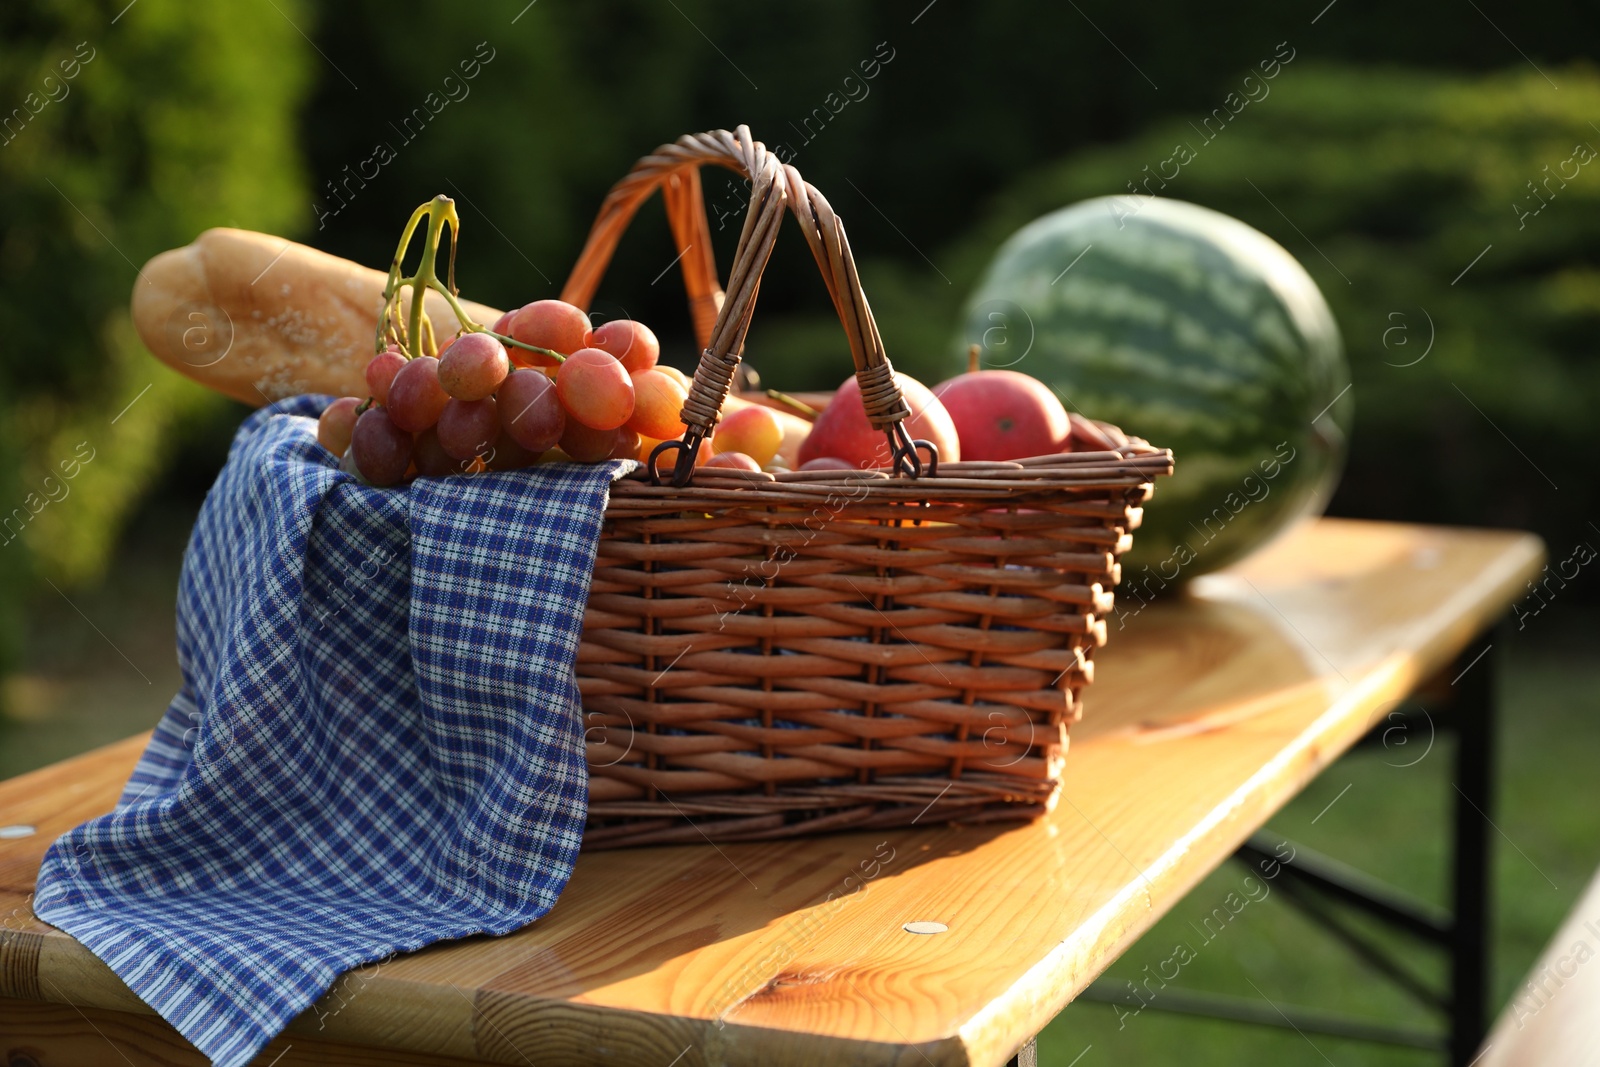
[990, 1037]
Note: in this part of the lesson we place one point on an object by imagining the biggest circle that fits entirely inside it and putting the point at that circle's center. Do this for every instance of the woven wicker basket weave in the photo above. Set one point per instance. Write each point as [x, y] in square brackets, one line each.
[765, 656]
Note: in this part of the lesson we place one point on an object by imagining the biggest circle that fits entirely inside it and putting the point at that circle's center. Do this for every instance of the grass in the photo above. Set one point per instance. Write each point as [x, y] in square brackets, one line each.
[101, 666]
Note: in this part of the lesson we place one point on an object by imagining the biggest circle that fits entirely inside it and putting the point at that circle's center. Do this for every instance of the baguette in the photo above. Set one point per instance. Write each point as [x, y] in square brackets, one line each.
[260, 318]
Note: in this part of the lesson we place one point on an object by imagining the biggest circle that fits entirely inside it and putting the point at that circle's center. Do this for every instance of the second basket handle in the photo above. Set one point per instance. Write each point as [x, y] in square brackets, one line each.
[721, 321]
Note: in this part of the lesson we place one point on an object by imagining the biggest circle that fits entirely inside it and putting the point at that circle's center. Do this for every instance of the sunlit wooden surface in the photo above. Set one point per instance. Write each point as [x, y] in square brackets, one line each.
[1207, 714]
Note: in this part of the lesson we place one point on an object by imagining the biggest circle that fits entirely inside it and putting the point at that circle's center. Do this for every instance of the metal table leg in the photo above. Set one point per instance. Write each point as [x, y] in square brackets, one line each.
[1471, 934]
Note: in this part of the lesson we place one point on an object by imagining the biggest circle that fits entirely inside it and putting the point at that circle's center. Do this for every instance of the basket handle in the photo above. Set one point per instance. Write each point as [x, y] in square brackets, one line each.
[722, 320]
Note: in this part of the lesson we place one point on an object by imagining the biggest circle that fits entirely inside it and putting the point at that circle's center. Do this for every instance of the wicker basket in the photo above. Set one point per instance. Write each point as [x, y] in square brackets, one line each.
[769, 656]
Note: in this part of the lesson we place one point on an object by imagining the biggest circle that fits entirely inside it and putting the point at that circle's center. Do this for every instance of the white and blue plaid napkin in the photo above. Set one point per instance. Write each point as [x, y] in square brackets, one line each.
[377, 744]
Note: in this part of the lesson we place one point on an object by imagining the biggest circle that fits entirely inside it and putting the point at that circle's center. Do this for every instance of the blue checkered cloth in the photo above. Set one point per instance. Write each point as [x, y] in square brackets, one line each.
[377, 745]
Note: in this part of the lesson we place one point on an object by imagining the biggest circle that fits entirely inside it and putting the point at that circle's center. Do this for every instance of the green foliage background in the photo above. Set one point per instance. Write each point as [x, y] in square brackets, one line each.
[183, 117]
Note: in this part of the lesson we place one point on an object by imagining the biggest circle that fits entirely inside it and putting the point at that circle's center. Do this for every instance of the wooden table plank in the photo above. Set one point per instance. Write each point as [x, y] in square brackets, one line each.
[1208, 713]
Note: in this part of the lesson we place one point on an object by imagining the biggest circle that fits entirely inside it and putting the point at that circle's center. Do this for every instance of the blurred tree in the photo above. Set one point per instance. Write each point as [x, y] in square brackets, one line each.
[572, 96]
[974, 95]
[125, 129]
[1453, 224]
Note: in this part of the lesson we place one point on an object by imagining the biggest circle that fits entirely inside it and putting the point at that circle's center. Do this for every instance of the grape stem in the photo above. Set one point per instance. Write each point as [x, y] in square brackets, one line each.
[795, 405]
[440, 212]
[417, 336]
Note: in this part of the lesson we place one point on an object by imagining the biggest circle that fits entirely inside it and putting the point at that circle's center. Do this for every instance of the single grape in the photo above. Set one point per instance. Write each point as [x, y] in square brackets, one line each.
[337, 422]
[530, 411]
[382, 450]
[430, 457]
[755, 431]
[735, 460]
[503, 323]
[473, 367]
[468, 427]
[381, 370]
[657, 403]
[415, 396]
[508, 455]
[627, 445]
[552, 324]
[675, 374]
[595, 389]
[633, 343]
[587, 445]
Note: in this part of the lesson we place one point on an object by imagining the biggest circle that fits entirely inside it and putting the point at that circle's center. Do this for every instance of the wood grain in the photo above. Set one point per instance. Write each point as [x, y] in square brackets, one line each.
[63, 1035]
[1208, 713]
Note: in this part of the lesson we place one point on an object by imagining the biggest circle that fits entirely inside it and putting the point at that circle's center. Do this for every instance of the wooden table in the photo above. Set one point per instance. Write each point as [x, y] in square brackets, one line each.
[1207, 715]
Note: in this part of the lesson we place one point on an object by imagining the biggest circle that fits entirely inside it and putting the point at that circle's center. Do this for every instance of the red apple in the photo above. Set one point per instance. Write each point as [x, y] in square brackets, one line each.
[1004, 414]
[843, 432]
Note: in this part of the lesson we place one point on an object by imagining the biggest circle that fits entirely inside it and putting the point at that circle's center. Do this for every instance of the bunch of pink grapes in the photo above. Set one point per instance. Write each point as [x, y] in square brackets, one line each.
[483, 405]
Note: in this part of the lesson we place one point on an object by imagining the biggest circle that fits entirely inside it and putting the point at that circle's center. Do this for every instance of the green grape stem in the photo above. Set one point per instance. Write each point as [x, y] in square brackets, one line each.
[417, 337]
[389, 321]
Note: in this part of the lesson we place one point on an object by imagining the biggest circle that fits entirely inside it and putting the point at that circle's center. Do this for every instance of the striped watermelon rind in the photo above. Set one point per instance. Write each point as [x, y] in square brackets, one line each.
[1192, 330]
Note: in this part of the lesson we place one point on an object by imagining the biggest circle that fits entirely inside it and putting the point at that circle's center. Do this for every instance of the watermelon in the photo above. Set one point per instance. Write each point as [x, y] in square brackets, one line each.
[1198, 333]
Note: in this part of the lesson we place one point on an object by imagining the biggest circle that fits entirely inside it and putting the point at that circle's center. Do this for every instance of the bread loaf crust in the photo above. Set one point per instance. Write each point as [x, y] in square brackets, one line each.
[259, 318]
